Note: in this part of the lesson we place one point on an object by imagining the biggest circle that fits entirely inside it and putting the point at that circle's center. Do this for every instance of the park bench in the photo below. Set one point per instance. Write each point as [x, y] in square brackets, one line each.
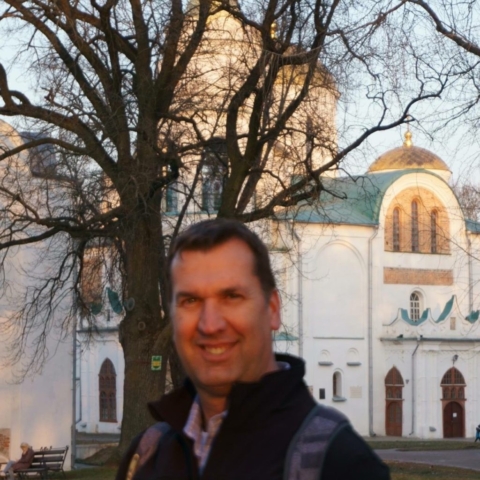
[46, 463]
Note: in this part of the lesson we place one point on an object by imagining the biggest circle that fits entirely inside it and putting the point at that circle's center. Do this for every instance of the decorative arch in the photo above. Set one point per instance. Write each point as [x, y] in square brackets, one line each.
[394, 402]
[416, 209]
[107, 388]
[453, 403]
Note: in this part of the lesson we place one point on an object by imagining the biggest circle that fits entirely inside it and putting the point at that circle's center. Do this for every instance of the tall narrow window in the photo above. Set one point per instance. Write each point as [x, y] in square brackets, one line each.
[91, 281]
[415, 306]
[214, 171]
[337, 384]
[171, 199]
[107, 386]
[396, 230]
[415, 242]
[433, 231]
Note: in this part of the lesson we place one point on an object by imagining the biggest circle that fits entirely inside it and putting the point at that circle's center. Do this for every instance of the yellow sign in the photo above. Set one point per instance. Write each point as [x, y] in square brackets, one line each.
[156, 363]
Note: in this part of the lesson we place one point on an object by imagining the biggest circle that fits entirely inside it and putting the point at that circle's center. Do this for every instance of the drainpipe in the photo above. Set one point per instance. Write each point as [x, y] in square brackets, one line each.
[299, 290]
[413, 386]
[73, 451]
[470, 278]
[370, 333]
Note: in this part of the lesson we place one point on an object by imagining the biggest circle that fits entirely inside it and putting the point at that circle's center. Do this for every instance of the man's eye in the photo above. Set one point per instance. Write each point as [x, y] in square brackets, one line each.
[233, 295]
[189, 301]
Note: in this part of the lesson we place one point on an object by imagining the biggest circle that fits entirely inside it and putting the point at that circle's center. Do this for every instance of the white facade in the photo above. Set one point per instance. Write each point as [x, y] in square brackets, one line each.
[36, 408]
[351, 288]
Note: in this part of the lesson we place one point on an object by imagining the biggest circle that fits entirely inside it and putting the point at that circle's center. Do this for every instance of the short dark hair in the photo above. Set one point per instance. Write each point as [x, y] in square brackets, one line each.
[208, 234]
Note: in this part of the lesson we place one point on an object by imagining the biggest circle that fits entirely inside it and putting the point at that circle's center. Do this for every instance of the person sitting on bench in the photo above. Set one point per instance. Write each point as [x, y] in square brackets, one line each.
[24, 462]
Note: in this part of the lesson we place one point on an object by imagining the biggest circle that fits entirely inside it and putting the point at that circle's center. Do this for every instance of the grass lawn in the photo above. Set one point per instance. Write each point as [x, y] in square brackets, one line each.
[418, 471]
[97, 473]
[422, 445]
[400, 471]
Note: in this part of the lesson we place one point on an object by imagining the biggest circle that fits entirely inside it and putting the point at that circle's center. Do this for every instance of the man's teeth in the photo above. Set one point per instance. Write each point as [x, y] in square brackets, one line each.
[216, 350]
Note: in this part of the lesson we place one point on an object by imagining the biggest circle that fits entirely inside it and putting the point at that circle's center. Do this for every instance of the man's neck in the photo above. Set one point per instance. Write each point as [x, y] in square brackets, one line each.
[211, 405]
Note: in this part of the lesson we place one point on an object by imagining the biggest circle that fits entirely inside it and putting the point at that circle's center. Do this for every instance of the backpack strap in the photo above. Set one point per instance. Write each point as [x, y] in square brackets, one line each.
[306, 452]
[146, 448]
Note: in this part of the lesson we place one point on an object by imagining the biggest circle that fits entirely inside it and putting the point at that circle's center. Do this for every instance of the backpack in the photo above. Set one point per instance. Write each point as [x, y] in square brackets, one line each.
[305, 455]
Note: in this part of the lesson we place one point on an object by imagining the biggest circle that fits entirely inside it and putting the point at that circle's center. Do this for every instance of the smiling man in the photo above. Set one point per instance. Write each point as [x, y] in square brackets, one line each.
[244, 413]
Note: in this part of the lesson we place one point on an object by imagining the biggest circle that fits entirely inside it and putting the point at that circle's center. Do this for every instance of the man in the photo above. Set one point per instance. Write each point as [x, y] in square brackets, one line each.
[24, 462]
[243, 413]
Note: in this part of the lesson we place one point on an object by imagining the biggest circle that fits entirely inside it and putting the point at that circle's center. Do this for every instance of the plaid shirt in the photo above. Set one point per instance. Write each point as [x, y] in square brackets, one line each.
[202, 440]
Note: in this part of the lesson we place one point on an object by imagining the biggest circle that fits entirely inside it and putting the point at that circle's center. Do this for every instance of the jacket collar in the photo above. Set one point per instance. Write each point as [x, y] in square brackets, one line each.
[248, 403]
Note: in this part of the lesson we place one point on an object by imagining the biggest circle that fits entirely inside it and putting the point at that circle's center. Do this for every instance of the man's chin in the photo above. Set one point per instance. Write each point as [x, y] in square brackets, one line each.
[215, 388]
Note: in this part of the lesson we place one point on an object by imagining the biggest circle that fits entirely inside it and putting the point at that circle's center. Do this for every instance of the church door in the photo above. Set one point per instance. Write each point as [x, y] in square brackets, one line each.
[394, 419]
[453, 420]
[394, 403]
[453, 403]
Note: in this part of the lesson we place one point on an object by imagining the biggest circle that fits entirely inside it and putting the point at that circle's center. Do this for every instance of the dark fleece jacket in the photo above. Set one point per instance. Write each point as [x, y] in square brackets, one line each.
[253, 440]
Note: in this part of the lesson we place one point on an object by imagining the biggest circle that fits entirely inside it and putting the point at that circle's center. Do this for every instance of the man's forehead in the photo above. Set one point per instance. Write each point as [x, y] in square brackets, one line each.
[234, 267]
[234, 245]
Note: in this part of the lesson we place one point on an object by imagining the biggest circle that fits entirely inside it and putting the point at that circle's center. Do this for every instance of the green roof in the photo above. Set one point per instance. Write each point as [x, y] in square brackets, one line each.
[349, 200]
[472, 226]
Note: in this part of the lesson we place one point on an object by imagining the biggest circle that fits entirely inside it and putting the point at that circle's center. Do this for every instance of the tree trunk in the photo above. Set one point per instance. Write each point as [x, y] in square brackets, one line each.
[142, 324]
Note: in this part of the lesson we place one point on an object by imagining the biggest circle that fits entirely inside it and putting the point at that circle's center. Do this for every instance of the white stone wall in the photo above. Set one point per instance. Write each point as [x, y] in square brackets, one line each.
[37, 410]
[93, 354]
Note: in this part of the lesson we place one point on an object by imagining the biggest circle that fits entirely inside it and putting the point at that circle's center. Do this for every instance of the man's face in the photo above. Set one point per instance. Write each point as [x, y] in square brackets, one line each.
[221, 319]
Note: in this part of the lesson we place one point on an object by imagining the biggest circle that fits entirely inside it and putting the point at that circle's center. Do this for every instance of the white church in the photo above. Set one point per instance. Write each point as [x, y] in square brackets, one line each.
[384, 304]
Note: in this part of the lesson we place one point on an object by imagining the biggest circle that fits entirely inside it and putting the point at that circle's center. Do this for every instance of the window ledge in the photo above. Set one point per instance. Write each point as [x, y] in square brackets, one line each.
[325, 364]
[354, 364]
[339, 399]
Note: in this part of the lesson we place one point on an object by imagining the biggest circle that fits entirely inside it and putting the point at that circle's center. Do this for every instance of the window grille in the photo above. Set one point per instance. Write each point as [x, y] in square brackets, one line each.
[107, 385]
[453, 385]
[433, 232]
[415, 242]
[396, 230]
[415, 306]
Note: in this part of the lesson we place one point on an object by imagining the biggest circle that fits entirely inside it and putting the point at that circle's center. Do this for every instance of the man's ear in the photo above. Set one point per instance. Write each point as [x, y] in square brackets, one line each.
[274, 306]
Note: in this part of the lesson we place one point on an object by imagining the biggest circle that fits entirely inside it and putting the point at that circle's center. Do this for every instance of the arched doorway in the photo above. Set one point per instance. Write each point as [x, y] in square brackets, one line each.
[453, 403]
[394, 403]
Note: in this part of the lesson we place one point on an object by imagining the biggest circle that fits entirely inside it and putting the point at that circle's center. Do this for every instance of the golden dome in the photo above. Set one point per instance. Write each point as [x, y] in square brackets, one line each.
[408, 156]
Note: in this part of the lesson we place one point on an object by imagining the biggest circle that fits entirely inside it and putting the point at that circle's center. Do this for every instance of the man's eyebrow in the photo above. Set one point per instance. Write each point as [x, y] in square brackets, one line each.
[183, 294]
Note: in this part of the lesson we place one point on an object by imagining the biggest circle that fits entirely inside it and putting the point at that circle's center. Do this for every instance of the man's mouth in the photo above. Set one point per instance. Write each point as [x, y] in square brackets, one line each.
[215, 350]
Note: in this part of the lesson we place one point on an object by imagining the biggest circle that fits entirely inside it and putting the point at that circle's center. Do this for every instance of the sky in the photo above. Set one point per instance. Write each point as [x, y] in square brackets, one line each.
[457, 145]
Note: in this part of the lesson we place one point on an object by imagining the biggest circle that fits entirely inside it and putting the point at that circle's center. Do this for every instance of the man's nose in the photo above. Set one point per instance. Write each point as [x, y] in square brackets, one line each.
[211, 318]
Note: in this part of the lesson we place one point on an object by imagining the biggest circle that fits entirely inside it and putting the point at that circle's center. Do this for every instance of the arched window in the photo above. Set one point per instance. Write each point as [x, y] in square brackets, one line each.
[433, 231]
[394, 384]
[214, 171]
[415, 242]
[337, 384]
[107, 387]
[396, 230]
[415, 306]
[453, 384]
[393, 402]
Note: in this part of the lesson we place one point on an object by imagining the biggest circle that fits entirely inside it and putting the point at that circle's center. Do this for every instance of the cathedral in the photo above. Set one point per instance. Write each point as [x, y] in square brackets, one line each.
[380, 288]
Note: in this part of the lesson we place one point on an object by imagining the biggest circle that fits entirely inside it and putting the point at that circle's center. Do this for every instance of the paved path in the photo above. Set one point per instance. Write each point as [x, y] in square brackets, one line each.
[449, 458]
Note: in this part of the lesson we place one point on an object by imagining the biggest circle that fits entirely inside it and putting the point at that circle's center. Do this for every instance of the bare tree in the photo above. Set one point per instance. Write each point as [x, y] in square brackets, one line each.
[221, 108]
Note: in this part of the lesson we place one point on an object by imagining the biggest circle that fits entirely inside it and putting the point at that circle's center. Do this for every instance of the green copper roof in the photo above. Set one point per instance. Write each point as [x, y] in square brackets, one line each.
[472, 226]
[349, 200]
